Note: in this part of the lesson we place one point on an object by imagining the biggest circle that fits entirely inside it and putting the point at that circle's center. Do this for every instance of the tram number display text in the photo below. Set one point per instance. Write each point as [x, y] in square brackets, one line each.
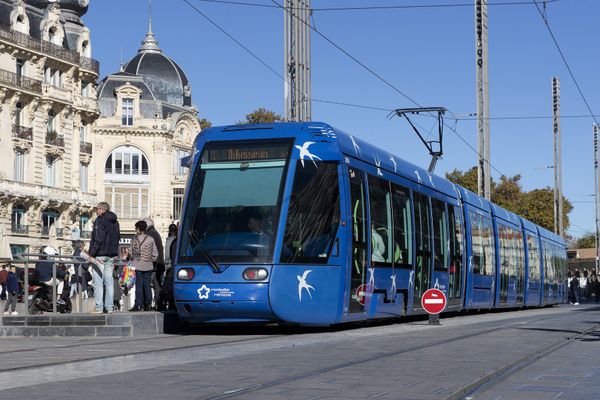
[248, 153]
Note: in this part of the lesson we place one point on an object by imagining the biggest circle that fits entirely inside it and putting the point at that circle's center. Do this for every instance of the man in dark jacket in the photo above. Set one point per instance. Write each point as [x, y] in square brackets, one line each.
[159, 264]
[104, 246]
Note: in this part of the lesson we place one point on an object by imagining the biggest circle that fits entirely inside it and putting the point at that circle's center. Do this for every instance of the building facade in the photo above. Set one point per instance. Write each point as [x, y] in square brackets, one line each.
[147, 125]
[48, 109]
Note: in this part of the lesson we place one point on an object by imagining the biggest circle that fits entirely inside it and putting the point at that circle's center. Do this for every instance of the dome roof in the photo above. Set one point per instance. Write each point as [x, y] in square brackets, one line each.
[165, 78]
[79, 7]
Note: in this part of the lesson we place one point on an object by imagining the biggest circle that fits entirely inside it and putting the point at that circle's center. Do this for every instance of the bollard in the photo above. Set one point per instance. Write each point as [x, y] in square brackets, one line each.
[434, 319]
[54, 288]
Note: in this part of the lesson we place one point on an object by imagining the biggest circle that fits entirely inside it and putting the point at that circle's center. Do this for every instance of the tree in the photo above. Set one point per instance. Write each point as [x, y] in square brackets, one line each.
[204, 124]
[587, 241]
[261, 116]
[467, 179]
[536, 205]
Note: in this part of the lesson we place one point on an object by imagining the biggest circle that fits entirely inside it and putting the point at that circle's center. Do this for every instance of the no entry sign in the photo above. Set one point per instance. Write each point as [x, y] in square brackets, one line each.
[433, 301]
[361, 294]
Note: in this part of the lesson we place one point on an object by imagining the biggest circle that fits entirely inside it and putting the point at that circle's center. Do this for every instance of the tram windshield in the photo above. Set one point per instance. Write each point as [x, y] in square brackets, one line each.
[233, 204]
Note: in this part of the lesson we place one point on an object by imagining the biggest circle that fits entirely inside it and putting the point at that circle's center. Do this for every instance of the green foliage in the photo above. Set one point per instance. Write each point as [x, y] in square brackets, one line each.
[261, 116]
[585, 242]
[536, 205]
[205, 124]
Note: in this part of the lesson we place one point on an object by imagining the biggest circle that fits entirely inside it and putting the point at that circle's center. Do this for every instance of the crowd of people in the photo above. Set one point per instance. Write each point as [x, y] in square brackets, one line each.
[583, 286]
[98, 277]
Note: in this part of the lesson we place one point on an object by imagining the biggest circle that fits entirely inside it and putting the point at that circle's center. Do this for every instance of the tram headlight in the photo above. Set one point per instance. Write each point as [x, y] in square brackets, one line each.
[255, 274]
[185, 274]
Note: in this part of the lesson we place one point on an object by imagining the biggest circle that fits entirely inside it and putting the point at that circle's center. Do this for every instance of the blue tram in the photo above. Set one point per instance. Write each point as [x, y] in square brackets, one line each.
[302, 223]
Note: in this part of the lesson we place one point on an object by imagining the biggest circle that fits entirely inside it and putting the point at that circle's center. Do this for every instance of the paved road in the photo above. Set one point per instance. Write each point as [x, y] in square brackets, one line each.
[532, 354]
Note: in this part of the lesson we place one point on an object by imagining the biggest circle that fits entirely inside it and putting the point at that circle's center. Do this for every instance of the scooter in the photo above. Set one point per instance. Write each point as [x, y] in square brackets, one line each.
[41, 295]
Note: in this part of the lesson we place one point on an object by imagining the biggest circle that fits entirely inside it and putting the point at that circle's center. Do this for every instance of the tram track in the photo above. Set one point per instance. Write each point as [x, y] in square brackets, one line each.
[488, 381]
[236, 392]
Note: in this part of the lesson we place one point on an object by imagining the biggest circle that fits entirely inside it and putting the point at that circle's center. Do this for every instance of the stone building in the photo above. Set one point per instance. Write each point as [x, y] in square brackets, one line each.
[147, 125]
[48, 109]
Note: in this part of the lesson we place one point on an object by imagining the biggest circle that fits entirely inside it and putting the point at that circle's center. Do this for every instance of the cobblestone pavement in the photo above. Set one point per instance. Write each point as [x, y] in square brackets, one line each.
[408, 360]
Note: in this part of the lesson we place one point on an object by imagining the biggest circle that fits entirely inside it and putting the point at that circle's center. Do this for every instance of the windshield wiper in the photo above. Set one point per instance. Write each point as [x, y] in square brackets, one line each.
[210, 259]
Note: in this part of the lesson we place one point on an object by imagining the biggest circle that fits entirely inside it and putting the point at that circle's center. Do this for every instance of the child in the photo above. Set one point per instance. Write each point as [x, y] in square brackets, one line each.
[12, 288]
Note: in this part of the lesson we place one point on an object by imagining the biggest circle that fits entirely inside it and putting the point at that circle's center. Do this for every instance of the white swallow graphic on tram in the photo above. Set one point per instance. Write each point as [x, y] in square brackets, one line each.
[205, 290]
[418, 176]
[355, 145]
[431, 180]
[410, 278]
[437, 284]
[305, 153]
[302, 284]
[378, 164]
[480, 202]
[393, 288]
[371, 278]
[393, 160]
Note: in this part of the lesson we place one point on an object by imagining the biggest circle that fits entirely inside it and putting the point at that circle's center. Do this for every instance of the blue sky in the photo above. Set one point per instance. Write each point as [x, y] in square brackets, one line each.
[426, 53]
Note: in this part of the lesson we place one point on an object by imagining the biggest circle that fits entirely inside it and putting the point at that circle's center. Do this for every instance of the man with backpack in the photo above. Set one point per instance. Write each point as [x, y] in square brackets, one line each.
[574, 289]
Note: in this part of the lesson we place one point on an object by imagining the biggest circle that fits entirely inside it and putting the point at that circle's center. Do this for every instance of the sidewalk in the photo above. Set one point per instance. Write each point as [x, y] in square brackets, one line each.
[88, 306]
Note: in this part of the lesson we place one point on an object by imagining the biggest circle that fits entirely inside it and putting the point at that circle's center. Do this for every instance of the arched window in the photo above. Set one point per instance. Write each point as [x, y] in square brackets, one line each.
[19, 114]
[49, 219]
[21, 24]
[85, 49]
[17, 219]
[53, 36]
[50, 124]
[126, 160]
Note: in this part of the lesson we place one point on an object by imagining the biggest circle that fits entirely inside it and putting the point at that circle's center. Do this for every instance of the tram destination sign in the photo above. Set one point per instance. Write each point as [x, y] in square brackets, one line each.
[247, 152]
[433, 301]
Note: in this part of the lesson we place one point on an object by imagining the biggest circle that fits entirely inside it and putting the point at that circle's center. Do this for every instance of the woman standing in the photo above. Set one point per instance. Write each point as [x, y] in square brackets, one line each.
[144, 252]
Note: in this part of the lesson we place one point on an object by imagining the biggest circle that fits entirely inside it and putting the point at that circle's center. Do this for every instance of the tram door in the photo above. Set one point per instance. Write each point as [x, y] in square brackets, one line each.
[423, 244]
[359, 240]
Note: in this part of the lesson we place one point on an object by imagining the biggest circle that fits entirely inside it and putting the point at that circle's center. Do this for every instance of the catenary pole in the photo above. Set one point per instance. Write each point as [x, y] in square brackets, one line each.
[596, 197]
[558, 203]
[297, 90]
[483, 111]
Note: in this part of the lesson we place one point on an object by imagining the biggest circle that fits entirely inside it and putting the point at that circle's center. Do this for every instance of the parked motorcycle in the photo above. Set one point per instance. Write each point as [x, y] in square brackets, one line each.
[41, 295]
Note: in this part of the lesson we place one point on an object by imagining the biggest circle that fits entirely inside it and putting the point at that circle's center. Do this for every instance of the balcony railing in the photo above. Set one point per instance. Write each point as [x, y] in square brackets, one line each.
[22, 132]
[54, 139]
[85, 147]
[19, 229]
[48, 48]
[46, 231]
[19, 81]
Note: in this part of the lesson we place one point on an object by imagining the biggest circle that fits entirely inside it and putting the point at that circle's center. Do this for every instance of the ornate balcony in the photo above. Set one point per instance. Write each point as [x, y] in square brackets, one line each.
[54, 139]
[45, 231]
[22, 132]
[13, 37]
[85, 147]
[19, 229]
[20, 82]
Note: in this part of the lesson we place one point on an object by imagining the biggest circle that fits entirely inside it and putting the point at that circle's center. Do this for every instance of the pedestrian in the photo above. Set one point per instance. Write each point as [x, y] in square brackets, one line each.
[104, 246]
[143, 252]
[574, 289]
[159, 263]
[168, 242]
[12, 288]
[3, 278]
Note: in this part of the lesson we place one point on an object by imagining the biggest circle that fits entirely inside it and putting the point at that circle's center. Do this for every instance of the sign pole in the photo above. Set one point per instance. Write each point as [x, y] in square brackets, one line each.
[434, 319]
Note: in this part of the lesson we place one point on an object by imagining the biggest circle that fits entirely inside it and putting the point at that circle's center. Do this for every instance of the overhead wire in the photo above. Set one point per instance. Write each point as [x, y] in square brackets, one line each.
[386, 82]
[545, 19]
[366, 8]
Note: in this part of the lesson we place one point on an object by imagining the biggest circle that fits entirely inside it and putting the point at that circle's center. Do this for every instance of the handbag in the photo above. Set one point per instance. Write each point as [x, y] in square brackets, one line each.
[127, 276]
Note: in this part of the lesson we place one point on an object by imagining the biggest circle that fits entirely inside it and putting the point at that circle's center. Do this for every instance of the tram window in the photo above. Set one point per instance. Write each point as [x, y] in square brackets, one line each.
[482, 244]
[456, 250]
[440, 235]
[423, 244]
[488, 247]
[313, 214]
[380, 205]
[533, 255]
[359, 234]
[402, 227]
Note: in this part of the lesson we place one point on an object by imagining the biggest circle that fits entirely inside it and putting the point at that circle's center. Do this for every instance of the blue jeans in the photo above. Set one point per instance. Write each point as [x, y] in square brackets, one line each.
[143, 289]
[104, 278]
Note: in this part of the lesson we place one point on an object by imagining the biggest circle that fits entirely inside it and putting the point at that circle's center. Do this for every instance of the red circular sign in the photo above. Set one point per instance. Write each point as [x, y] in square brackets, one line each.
[433, 301]
[361, 294]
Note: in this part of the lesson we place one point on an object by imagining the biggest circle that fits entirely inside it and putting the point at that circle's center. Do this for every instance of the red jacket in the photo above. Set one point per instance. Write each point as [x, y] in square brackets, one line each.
[3, 276]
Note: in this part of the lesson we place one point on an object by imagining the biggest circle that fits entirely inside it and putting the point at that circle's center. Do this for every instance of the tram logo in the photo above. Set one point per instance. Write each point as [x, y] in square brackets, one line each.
[305, 153]
[393, 160]
[203, 292]
[302, 284]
